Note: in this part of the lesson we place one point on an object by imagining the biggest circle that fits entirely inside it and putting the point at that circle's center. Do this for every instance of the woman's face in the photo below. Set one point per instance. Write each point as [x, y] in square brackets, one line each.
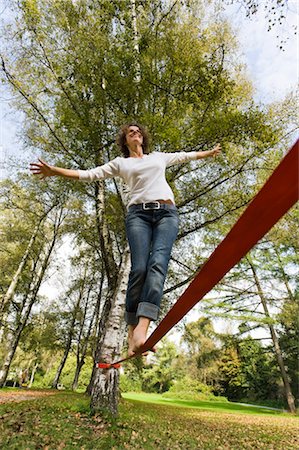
[134, 136]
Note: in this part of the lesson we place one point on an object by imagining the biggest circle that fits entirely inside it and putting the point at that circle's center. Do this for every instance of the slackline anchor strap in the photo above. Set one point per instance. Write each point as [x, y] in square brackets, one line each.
[102, 365]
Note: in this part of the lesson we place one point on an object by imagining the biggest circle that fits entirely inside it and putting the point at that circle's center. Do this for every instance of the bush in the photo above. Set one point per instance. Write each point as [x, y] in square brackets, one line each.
[190, 385]
[129, 384]
[183, 395]
[190, 389]
[45, 380]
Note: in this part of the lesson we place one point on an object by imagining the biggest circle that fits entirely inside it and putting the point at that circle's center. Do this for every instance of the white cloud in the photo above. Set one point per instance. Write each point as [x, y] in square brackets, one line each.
[274, 71]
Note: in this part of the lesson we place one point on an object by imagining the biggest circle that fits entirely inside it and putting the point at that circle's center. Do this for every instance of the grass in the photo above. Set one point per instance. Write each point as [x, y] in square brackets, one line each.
[228, 407]
[62, 421]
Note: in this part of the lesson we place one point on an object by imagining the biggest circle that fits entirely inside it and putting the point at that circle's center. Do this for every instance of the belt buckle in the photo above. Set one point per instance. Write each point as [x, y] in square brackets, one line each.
[145, 208]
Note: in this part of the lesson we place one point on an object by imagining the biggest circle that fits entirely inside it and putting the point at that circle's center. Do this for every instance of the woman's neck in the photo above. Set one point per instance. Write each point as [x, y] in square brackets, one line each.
[136, 152]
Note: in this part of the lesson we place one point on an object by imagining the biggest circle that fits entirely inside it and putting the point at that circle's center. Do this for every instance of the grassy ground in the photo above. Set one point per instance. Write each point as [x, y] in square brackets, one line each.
[227, 407]
[62, 421]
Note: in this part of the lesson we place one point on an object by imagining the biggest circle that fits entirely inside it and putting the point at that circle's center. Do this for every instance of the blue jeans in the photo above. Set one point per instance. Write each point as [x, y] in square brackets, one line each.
[151, 234]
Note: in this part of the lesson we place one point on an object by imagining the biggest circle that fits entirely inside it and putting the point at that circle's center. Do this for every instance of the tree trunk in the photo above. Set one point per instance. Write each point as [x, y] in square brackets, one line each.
[63, 361]
[70, 337]
[96, 326]
[104, 236]
[283, 274]
[3, 327]
[111, 270]
[12, 287]
[32, 375]
[96, 333]
[104, 393]
[102, 326]
[287, 387]
[79, 366]
[104, 383]
[82, 347]
[136, 50]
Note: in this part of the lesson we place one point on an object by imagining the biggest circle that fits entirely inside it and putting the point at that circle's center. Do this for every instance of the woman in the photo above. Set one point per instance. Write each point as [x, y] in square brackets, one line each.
[151, 222]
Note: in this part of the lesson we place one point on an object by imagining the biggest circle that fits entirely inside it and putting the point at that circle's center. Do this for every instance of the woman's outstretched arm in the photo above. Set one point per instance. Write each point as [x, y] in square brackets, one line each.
[215, 152]
[45, 170]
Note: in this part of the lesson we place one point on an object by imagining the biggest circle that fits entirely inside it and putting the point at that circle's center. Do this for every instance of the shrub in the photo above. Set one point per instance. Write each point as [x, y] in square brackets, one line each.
[129, 384]
[183, 395]
[45, 380]
[190, 389]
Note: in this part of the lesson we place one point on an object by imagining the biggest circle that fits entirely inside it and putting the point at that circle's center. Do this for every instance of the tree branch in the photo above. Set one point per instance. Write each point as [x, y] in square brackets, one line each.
[11, 79]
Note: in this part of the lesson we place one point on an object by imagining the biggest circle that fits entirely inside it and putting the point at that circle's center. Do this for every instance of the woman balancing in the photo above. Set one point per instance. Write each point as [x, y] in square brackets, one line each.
[151, 222]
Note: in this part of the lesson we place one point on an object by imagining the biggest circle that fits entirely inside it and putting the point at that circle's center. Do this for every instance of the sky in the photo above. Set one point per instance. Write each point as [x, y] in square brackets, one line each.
[274, 73]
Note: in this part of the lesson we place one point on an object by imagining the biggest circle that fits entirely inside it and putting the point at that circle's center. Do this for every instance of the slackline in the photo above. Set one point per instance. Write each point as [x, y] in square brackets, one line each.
[275, 198]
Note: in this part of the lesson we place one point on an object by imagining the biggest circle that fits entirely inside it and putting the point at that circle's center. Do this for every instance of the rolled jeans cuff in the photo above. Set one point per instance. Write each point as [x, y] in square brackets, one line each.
[149, 310]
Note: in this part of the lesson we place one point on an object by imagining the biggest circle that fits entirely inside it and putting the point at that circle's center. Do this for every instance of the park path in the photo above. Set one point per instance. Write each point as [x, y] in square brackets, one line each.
[24, 394]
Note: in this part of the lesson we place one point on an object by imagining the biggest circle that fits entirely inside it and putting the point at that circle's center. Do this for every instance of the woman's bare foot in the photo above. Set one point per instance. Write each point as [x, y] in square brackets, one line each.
[139, 336]
[131, 329]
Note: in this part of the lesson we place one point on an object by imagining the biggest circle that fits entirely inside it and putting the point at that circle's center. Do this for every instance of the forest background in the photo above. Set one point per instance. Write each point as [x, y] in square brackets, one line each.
[75, 71]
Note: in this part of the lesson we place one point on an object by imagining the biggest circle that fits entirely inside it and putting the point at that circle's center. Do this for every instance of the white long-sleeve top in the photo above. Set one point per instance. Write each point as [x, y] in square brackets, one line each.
[145, 177]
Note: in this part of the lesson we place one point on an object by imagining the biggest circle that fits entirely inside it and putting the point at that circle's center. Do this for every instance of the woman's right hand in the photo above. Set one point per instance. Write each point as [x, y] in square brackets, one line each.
[42, 168]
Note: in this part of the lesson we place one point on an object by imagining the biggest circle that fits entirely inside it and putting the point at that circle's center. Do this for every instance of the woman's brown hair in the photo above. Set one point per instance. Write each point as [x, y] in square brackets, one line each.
[122, 141]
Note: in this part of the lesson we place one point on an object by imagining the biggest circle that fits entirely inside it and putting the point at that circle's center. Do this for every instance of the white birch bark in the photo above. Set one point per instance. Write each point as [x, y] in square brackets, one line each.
[104, 393]
[12, 287]
[70, 334]
[82, 346]
[105, 239]
[136, 43]
[32, 375]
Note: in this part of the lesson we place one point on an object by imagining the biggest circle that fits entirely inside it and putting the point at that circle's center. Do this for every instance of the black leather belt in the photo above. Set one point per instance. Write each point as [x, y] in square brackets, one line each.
[159, 204]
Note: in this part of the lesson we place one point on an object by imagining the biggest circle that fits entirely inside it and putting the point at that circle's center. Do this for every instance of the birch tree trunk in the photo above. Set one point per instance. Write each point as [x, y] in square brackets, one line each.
[283, 274]
[104, 385]
[287, 388]
[107, 310]
[105, 393]
[64, 358]
[110, 267]
[3, 326]
[95, 331]
[12, 287]
[32, 375]
[104, 236]
[70, 336]
[82, 346]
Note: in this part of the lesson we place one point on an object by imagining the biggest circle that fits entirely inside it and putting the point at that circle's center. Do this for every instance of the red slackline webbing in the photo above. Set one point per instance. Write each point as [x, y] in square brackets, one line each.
[275, 198]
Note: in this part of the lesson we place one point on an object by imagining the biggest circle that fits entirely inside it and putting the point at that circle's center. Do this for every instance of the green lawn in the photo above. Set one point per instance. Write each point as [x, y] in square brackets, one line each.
[62, 421]
[228, 407]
